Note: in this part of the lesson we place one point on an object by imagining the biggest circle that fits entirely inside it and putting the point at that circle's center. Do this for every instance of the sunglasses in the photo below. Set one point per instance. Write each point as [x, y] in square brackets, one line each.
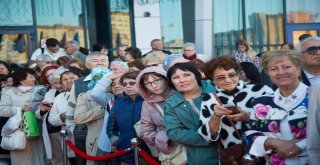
[131, 83]
[312, 50]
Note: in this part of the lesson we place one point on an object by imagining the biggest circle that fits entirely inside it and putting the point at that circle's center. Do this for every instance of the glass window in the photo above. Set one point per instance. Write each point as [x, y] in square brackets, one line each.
[15, 13]
[306, 11]
[60, 19]
[264, 23]
[227, 25]
[14, 48]
[171, 25]
[120, 22]
[298, 33]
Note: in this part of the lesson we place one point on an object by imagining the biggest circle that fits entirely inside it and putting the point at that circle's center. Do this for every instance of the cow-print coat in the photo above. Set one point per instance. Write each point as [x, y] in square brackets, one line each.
[242, 96]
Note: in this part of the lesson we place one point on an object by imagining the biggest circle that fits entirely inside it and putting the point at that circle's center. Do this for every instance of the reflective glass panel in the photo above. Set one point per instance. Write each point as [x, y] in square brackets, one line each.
[120, 22]
[264, 23]
[227, 25]
[60, 19]
[306, 11]
[14, 48]
[298, 33]
[15, 13]
[171, 25]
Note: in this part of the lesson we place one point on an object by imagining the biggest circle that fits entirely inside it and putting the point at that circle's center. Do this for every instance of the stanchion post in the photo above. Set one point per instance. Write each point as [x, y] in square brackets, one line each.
[134, 146]
[64, 133]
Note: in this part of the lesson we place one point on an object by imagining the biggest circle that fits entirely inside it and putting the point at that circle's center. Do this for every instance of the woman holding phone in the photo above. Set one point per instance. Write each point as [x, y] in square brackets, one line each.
[234, 102]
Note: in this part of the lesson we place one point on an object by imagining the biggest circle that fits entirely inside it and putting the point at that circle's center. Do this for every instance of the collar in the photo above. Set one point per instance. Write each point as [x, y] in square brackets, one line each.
[25, 89]
[88, 78]
[293, 100]
[192, 57]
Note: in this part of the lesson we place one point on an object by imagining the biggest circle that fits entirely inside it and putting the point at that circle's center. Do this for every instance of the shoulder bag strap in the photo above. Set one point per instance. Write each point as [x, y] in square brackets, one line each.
[232, 123]
[159, 108]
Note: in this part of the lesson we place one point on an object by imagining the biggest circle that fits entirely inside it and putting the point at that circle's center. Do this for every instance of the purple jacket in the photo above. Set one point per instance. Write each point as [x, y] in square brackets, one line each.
[152, 126]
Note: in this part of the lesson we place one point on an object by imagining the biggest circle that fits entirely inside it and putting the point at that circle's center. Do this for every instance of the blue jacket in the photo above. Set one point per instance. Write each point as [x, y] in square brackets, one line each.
[122, 117]
[182, 125]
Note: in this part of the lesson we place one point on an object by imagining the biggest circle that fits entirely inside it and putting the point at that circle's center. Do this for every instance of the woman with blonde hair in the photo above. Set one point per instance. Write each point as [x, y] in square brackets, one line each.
[245, 53]
[279, 122]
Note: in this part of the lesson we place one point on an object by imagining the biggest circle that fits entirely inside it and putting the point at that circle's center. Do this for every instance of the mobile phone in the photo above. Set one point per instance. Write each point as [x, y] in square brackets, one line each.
[232, 108]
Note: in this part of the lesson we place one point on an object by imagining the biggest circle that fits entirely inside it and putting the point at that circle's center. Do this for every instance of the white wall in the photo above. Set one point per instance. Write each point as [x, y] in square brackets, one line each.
[146, 28]
[204, 26]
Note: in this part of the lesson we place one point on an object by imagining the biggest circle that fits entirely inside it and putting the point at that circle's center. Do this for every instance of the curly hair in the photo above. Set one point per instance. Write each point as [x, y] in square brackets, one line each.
[224, 62]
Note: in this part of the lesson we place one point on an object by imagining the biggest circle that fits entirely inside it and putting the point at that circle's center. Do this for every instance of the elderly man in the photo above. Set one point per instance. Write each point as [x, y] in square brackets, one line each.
[310, 60]
[80, 86]
[157, 50]
[44, 60]
[190, 53]
[72, 48]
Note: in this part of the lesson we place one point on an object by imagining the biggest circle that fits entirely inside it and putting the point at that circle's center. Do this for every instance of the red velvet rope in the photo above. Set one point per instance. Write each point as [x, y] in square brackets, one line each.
[149, 159]
[89, 157]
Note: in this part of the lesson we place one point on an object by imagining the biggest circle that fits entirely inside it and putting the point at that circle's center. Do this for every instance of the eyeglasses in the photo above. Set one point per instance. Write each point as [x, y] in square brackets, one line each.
[224, 78]
[155, 82]
[131, 83]
[312, 50]
[114, 84]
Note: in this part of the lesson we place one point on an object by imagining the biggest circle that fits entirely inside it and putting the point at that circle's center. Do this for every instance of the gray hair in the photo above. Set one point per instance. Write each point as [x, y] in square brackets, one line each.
[187, 44]
[122, 64]
[73, 44]
[44, 57]
[299, 46]
[96, 53]
[57, 73]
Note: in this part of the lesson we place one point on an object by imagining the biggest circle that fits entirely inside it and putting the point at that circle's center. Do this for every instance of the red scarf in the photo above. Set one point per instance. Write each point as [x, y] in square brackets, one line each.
[192, 57]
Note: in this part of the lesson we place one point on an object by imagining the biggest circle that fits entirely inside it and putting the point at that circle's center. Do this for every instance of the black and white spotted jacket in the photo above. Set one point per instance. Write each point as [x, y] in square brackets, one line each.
[242, 96]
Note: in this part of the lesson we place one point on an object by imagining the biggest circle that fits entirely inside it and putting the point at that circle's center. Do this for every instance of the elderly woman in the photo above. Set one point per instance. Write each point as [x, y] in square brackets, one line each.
[122, 117]
[181, 113]
[119, 67]
[51, 134]
[224, 72]
[57, 116]
[22, 96]
[278, 123]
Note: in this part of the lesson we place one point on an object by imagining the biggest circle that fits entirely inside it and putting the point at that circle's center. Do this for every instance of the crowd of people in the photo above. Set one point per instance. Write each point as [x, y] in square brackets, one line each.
[184, 108]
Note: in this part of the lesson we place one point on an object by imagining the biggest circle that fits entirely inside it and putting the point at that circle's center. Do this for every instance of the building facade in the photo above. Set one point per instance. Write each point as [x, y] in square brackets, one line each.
[214, 25]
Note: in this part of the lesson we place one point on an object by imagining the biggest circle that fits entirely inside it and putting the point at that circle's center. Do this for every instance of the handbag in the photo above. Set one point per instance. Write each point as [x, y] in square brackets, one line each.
[13, 123]
[178, 156]
[236, 154]
[16, 139]
[30, 123]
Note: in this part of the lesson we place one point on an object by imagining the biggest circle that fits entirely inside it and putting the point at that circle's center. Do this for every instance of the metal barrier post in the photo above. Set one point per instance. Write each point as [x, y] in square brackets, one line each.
[134, 145]
[64, 133]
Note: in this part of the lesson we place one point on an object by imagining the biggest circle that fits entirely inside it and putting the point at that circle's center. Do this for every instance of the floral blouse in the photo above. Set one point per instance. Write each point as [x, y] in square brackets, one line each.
[281, 118]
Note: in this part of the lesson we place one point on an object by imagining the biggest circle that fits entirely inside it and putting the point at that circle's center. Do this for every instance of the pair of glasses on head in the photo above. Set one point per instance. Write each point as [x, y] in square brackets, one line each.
[312, 50]
[130, 83]
[155, 82]
[223, 78]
